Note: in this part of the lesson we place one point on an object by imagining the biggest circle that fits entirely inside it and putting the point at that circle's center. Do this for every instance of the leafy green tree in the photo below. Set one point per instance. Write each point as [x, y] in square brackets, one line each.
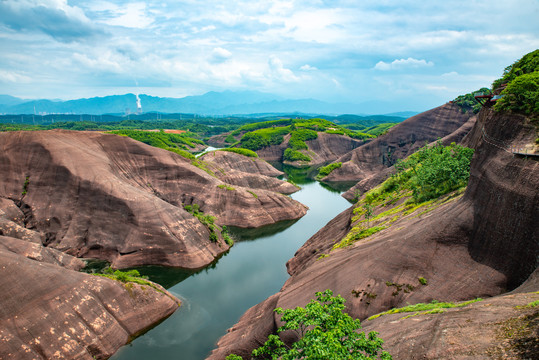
[521, 95]
[369, 213]
[325, 333]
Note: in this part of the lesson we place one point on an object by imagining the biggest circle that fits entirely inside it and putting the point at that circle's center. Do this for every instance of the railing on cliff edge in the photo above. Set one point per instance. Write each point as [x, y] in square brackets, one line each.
[511, 149]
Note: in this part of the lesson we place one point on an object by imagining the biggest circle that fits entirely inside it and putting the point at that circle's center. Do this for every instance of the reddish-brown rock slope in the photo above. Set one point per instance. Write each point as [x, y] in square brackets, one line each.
[49, 312]
[399, 142]
[324, 149]
[481, 245]
[241, 170]
[111, 197]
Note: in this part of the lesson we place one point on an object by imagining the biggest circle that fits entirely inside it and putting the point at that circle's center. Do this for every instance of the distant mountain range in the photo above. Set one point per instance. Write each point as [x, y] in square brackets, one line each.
[211, 103]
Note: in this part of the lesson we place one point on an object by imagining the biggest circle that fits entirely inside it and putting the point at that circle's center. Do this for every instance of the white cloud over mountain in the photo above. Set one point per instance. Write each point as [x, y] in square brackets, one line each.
[336, 50]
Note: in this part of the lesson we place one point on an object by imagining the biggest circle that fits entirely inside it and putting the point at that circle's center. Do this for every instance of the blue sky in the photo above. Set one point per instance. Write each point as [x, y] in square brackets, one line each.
[416, 55]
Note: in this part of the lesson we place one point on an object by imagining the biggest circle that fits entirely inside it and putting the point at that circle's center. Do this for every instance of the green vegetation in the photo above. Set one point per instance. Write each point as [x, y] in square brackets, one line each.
[521, 95]
[124, 276]
[356, 235]
[467, 102]
[259, 135]
[326, 170]
[25, 186]
[530, 305]
[434, 305]
[226, 187]
[427, 179]
[206, 220]
[433, 171]
[241, 151]
[253, 193]
[422, 281]
[528, 64]
[261, 138]
[161, 139]
[325, 332]
[294, 155]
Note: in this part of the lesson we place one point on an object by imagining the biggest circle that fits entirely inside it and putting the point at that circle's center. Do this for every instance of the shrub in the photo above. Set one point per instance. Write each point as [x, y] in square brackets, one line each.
[294, 155]
[325, 332]
[326, 170]
[241, 151]
[521, 95]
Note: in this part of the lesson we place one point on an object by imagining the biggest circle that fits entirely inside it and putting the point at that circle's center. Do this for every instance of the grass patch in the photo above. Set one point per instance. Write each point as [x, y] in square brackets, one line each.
[252, 193]
[434, 305]
[326, 170]
[226, 187]
[241, 151]
[25, 186]
[357, 234]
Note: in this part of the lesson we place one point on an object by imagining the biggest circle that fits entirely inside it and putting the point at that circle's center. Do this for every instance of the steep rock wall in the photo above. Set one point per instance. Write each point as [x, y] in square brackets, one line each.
[110, 197]
[478, 246]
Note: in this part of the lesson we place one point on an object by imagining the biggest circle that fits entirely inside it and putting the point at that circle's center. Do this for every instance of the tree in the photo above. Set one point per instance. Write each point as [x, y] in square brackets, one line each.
[368, 213]
[325, 332]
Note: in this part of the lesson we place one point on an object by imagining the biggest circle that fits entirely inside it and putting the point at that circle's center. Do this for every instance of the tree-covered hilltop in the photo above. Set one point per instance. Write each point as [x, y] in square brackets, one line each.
[262, 134]
[521, 93]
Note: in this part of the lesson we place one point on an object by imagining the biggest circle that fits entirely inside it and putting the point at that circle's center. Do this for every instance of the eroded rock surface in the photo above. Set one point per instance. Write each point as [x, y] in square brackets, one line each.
[254, 173]
[50, 312]
[481, 245]
[110, 197]
[401, 141]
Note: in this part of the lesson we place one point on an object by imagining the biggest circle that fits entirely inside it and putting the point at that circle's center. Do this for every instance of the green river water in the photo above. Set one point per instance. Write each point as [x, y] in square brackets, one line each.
[215, 298]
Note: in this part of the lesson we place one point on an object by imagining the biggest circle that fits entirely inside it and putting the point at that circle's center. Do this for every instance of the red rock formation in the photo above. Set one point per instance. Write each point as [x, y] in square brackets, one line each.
[49, 312]
[110, 197]
[325, 149]
[488, 329]
[401, 141]
[241, 170]
[378, 177]
[481, 245]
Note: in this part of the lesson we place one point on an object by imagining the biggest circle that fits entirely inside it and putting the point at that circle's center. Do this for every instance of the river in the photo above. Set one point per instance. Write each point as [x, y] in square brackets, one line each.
[215, 298]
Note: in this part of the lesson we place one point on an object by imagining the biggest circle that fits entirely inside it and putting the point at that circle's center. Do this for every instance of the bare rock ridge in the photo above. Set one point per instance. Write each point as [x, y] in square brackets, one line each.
[254, 173]
[373, 158]
[482, 245]
[113, 198]
[50, 312]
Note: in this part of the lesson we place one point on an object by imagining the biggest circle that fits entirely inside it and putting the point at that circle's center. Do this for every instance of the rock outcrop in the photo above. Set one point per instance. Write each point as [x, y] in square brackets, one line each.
[502, 327]
[401, 141]
[481, 245]
[241, 170]
[111, 197]
[326, 148]
[50, 312]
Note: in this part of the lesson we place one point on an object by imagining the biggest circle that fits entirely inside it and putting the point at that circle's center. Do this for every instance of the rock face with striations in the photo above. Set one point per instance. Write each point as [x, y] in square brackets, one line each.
[111, 197]
[51, 312]
[325, 149]
[369, 162]
[241, 170]
[481, 245]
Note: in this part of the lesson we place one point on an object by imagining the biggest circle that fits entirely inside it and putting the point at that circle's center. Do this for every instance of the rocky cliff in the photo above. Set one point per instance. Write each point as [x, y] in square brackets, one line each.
[481, 245]
[110, 197]
[326, 148]
[251, 172]
[368, 162]
[51, 312]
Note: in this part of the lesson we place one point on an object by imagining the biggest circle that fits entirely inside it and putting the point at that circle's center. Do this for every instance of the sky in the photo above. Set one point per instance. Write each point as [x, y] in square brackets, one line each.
[413, 54]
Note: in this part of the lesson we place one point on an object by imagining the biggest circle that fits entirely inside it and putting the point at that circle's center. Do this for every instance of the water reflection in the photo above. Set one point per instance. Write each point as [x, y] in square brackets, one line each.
[215, 298]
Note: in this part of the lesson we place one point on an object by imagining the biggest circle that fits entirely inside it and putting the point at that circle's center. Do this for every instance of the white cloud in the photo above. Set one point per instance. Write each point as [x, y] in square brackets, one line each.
[402, 64]
[132, 15]
[220, 55]
[278, 70]
[308, 67]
